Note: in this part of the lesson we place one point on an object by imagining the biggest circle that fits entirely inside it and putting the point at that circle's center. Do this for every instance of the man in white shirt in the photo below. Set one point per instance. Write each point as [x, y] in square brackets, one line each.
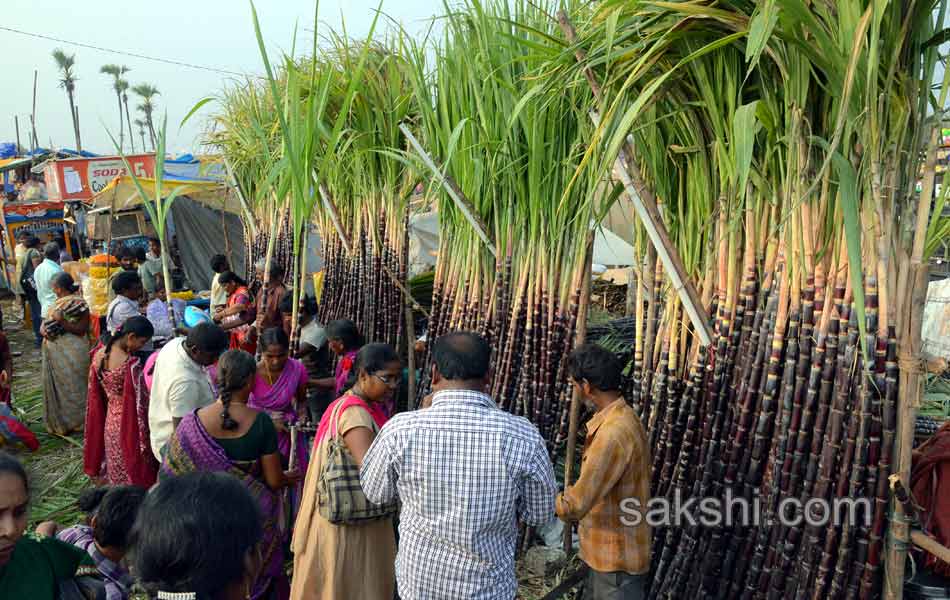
[180, 383]
[152, 267]
[44, 274]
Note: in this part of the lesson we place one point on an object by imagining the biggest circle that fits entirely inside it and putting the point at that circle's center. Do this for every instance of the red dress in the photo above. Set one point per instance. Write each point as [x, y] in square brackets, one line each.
[117, 434]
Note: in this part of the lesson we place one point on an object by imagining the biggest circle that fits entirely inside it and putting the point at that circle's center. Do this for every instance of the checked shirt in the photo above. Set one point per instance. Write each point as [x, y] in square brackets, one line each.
[466, 472]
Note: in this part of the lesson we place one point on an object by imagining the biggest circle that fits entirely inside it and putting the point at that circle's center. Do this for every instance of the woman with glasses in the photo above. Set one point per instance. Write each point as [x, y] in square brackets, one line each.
[353, 560]
[280, 390]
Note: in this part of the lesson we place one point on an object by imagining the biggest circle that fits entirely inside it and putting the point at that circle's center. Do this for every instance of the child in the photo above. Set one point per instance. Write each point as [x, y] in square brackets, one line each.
[110, 511]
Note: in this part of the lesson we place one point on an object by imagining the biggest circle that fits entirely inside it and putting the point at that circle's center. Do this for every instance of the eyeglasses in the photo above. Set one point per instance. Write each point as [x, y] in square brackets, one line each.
[390, 380]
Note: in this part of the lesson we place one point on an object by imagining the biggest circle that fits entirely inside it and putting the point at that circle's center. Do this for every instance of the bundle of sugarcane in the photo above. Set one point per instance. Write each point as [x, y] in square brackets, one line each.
[782, 142]
[511, 263]
[366, 235]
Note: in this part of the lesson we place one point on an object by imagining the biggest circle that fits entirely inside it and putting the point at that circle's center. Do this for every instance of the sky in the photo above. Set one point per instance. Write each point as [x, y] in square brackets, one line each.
[212, 33]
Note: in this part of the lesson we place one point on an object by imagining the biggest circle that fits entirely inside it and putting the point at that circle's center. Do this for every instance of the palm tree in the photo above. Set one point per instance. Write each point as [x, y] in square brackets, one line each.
[67, 81]
[116, 71]
[124, 88]
[141, 125]
[147, 91]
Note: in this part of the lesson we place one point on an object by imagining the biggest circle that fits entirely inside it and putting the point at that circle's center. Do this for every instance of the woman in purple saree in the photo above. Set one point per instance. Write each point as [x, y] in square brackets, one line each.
[230, 436]
[280, 390]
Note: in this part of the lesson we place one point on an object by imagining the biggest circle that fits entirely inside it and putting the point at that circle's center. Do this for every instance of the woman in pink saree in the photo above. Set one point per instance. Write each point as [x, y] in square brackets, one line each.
[280, 390]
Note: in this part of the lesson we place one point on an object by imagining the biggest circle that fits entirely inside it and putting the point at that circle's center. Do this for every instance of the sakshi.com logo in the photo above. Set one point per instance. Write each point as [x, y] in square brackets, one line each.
[738, 511]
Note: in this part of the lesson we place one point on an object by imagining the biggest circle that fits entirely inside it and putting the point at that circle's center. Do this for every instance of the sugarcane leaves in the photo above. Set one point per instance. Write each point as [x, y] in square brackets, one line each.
[760, 30]
[198, 105]
[848, 196]
[745, 126]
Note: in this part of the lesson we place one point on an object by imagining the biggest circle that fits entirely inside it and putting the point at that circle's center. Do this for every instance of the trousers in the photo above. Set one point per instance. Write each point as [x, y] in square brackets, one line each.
[614, 586]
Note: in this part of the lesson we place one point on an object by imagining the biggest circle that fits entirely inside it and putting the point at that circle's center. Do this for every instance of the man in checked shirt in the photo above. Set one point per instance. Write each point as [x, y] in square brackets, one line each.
[466, 473]
[615, 467]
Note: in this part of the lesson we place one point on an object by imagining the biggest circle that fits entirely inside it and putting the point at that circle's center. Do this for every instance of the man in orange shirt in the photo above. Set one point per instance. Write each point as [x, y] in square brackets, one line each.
[615, 467]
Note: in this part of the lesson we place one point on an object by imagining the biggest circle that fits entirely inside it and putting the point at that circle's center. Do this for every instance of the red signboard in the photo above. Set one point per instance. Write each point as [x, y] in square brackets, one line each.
[82, 178]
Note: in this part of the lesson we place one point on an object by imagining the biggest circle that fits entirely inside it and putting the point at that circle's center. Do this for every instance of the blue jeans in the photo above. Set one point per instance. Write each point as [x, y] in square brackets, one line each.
[36, 316]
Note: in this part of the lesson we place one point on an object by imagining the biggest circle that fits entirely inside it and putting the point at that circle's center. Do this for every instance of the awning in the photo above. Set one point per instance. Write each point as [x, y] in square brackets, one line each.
[8, 164]
[121, 193]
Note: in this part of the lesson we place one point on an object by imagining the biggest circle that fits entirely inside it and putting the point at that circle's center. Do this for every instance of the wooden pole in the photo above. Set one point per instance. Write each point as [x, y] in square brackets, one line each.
[627, 171]
[924, 541]
[576, 399]
[410, 357]
[16, 124]
[248, 214]
[452, 189]
[909, 345]
[36, 139]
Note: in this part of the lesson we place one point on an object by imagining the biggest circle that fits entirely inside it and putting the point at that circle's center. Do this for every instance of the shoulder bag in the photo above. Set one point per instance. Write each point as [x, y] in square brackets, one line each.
[340, 496]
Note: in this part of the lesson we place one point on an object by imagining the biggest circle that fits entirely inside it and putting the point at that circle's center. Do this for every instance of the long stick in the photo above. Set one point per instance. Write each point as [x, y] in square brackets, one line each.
[909, 347]
[627, 170]
[410, 357]
[931, 545]
[16, 124]
[575, 395]
[36, 139]
[452, 189]
[248, 215]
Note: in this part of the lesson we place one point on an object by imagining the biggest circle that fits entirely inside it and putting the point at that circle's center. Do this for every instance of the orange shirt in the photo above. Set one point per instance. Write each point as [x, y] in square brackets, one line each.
[615, 467]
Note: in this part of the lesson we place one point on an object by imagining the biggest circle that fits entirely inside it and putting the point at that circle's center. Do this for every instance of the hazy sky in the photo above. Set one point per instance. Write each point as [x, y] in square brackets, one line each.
[212, 33]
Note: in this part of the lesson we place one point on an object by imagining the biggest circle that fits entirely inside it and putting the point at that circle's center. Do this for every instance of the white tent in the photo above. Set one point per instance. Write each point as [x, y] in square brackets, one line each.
[610, 250]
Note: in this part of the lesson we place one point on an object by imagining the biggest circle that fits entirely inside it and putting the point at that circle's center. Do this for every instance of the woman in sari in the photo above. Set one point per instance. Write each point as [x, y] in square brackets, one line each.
[280, 390]
[356, 560]
[231, 436]
[237, 316]
[344, 340]
[30, 567]
[117, 432]
[65, 358]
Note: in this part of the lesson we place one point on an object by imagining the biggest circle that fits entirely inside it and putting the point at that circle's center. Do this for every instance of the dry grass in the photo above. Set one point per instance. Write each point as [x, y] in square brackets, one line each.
[55, 469]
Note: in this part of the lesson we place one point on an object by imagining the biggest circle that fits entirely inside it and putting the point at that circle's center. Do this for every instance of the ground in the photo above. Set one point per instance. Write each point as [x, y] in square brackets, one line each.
[55, 469]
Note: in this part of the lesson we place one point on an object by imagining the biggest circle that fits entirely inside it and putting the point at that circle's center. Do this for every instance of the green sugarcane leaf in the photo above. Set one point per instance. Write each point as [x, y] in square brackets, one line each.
[195, 109]
[848, 193]
[745, 126]
[760, 30]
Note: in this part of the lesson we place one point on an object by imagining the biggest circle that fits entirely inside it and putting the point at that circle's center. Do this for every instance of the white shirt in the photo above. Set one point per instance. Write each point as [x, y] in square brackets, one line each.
[43, 276]
[120, 310]
[219, 295]
[466, 472]
[179, 386]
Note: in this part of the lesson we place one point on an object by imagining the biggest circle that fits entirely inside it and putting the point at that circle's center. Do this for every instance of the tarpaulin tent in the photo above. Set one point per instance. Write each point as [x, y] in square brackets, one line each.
[121, 193]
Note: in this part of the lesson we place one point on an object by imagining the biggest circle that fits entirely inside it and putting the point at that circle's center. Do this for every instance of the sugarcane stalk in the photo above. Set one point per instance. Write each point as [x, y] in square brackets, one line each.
[576, 400]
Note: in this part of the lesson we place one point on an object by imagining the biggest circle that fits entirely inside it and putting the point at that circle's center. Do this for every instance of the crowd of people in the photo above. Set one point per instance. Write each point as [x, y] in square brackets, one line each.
[222, 452]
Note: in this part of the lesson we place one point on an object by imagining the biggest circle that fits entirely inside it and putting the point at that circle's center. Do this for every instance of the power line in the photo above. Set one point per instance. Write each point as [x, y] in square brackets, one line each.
[123, 53]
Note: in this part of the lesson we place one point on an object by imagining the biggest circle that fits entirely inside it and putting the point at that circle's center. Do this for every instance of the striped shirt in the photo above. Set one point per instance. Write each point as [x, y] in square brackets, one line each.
[118, 582]
[466, 472]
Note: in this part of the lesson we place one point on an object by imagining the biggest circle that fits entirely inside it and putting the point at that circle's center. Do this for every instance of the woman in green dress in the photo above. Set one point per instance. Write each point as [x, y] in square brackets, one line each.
[31, 567]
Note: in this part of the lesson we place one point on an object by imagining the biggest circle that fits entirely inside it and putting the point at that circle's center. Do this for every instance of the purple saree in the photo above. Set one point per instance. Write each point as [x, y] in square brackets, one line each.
[193, 449]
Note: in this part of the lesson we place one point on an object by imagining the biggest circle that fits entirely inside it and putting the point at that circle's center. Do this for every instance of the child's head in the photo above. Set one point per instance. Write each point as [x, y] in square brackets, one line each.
[112, 512]
[308, 309]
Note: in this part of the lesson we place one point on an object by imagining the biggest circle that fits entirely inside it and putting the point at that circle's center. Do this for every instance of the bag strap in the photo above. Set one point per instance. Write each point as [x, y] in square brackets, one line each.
[335, 418]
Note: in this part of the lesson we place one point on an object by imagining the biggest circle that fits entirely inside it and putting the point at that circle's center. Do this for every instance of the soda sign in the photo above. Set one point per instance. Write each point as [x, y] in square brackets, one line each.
[82, 178]
[100, 173]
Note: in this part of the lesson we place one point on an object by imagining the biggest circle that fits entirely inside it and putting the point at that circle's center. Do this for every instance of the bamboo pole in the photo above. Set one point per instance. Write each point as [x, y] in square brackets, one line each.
[909, 345]
[36, 139]
[452, 189]
[16, 125]
[410, 357]
[641, 195]
[575, 395]
[248, 215]
[925, 542]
